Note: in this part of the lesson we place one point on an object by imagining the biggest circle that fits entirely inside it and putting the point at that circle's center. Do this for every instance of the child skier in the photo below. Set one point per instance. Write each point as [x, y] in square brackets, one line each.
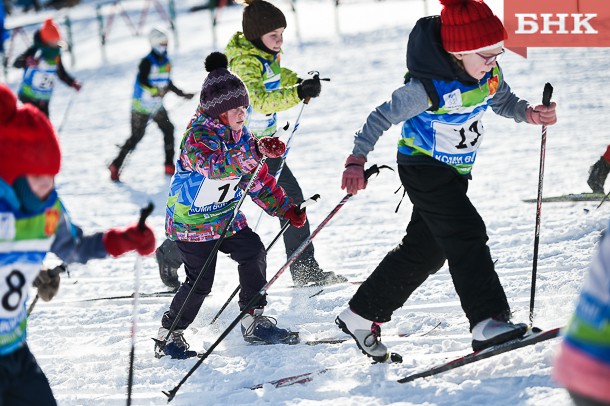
[33, 221]
[453, 78]
[217, 158]
[41, 62]
[151, 85]
[582, 364]
[599, 172]
[254, 56]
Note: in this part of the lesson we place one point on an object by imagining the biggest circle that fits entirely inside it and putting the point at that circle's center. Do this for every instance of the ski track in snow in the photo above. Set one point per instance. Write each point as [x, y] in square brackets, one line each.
[83, 347]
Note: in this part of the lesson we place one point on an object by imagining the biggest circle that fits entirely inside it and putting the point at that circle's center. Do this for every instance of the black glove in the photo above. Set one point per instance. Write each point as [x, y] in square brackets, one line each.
[309, 88]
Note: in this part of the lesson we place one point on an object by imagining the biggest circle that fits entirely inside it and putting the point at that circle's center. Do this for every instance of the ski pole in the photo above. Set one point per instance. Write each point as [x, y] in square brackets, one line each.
[546, 100]
[172, 393]
[68, 107]
[52, 273]
[603, 200]
[301, 207]
[278, 172]
[144, 213]
[209, 260]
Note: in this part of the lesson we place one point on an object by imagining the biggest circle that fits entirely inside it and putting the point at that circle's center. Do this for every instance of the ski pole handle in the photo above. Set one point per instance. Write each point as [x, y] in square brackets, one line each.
[144, 213]
[547, 93]
[306, 203]
[57, 270]
[316, 75]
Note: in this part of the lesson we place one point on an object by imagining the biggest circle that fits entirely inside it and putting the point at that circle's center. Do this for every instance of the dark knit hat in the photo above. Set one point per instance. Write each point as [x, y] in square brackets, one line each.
[222, 90]
[261, 17]
[470, 26]
[28, 142]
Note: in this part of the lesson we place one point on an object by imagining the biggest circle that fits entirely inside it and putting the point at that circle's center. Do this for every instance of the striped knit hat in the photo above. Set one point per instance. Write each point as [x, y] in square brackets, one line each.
[222, 90]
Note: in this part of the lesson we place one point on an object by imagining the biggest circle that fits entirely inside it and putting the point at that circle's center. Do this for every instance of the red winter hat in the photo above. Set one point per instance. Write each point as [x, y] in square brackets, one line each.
[8, 101]
[49, 32]
[470, 26]
[28, 144]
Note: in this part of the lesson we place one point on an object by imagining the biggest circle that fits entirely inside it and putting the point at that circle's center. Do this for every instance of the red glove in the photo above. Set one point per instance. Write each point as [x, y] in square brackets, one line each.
[77, 85]
[271, 147]
[353, 175]
[119, 241]
[541, 114]
[297, 219]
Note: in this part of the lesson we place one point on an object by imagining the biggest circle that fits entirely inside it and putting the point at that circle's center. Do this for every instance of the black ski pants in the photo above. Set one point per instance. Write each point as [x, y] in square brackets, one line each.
[139, 122]
[444, 226]
[22, 382]
[245, 247]
[42, 105]
[293, 237]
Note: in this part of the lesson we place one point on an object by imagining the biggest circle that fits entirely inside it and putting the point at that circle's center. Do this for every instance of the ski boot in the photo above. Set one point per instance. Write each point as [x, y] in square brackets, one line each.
[170, 169]
[114, 172]
[366, 333]
[492, 331]
[308, 273]
[175, 346]
[598, 174]
[259, 329]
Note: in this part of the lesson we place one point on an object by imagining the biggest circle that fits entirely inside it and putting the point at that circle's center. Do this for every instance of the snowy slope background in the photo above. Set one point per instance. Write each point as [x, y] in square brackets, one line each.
[83, 346]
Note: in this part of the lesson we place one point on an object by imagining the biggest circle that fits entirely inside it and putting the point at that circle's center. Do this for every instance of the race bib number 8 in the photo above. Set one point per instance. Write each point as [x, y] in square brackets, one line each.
[14, 286]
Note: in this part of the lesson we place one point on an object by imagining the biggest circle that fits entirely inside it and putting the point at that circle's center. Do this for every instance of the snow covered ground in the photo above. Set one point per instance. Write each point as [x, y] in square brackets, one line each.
[83, 346]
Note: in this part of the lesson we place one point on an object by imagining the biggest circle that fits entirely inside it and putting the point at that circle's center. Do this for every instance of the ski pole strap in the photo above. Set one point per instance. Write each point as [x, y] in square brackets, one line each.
[374, 170]
[144, 213]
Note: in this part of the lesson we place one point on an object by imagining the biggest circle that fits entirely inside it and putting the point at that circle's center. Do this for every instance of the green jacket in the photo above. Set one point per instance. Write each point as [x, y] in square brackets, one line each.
[245, 61]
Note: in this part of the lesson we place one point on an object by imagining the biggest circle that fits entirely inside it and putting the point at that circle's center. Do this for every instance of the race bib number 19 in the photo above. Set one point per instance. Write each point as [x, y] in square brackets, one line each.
[457, 144]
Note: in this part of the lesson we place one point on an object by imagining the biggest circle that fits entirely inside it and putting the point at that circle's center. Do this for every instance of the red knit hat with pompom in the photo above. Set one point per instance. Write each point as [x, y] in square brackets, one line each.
[28, 144]
[470, 26]
[49, 32]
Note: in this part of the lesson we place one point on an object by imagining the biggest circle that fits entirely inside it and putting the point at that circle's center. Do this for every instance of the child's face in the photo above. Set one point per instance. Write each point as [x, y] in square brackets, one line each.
[274, 39]
[235, 117]
[476, 64]
[41, 185]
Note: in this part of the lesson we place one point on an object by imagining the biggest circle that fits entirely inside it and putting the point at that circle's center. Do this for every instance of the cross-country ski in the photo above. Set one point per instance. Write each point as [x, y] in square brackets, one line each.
[531, 338]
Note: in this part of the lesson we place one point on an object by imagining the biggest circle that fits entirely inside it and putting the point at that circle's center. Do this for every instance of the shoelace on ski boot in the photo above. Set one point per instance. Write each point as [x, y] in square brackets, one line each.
[375, 335]
[263, 321]
[178, 339]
